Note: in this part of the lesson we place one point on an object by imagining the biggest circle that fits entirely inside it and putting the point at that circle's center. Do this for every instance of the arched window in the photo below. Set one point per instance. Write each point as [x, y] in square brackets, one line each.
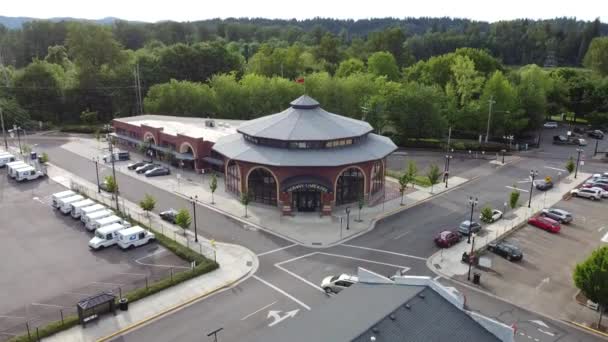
[233, 178]
[350, 186]
[377, 177]
[262, 186]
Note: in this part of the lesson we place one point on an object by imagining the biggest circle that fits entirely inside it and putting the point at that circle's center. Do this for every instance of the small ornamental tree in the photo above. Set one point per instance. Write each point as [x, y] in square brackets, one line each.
[433, 175]
[183, 219]
[412, 172]
[360, 204]
[245, 199]
[111, 185]
[403, 180]
[147, 205]
[513, 199]
[486, 214]
[591, 277]
[44, 158]
[213, 186]
[570, 165]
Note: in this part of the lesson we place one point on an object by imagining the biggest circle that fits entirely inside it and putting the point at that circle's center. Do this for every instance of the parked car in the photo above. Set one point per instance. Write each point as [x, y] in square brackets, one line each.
[158, 171]
[602, 186]
[590, 193]
[135, 165]
[603, 193]
[169, 215]
[545, 223]
[496, 215]
[447, 238]
[506, 250]
[560, 140]
[543, 184]
[580, 141]
[467, 227]
[335, 284]
[118, 156]
[558, 215]
[147, 167]
[597, 134]
[550, 124]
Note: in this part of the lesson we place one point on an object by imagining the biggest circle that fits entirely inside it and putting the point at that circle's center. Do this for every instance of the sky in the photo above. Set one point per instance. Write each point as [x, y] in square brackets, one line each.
[192, 10]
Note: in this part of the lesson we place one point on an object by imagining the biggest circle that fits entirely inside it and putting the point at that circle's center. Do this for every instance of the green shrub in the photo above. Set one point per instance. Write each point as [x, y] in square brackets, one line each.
[49, 329]
[486, 214]
[85, 129]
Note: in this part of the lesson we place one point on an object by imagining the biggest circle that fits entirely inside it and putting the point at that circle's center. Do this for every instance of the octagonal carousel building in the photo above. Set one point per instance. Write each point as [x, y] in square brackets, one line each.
[305, 159]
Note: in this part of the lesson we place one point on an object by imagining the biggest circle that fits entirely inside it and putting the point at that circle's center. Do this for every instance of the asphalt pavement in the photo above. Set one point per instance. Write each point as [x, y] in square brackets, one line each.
[289, 275]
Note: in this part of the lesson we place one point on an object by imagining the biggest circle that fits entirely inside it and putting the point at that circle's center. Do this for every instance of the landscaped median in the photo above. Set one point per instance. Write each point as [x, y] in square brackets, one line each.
[202, 265]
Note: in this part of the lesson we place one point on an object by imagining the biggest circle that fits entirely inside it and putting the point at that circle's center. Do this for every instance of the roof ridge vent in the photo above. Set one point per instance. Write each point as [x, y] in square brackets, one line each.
[304, 102]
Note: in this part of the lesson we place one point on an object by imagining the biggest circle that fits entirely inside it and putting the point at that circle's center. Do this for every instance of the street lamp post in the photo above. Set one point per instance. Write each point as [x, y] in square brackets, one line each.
[578, 160]
[503, 156]
[471, 258]
[347, 218]
[96, 161]
[194, 200]
[447, 168]
[533, 174]
[473, 203]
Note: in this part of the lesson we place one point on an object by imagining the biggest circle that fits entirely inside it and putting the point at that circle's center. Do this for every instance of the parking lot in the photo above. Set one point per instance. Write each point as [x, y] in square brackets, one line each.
[542, 281]
[47, 265]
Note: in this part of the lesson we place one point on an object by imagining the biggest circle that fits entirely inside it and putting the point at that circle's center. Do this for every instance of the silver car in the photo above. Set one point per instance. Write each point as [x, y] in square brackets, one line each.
[589, 193]
[558, 215]
[335, 284]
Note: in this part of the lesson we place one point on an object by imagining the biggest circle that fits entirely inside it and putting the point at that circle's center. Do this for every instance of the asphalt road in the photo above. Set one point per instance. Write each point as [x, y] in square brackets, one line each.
[289, 275]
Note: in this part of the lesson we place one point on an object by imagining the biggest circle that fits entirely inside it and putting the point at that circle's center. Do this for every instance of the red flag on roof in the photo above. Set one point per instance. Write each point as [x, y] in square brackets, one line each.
[300, 80]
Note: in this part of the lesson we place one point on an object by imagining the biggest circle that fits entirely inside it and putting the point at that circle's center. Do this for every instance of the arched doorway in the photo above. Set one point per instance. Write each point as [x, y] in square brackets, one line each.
[306, 192]
[147, 148]
[233, 177]
[187, 160]
[377, 183]
[350, 186]
[262, 186]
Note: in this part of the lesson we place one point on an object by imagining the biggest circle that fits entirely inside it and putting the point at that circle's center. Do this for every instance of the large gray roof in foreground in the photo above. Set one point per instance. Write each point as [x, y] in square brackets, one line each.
[373, 147]
[364, 310]
[305, 120]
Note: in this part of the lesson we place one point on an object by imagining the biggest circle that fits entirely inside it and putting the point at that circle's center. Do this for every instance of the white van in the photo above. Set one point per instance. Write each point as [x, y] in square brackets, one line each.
[133, 237]
[64, 203]
[27, 174]
[106, 236]
[77, 206]
[106, 221]
[59, 195]
[6, 158]
[90, 209]
[88, 219]
[12, 166]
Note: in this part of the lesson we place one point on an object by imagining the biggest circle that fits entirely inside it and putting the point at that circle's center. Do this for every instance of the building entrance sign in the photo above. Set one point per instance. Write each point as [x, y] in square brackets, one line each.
[307, 186]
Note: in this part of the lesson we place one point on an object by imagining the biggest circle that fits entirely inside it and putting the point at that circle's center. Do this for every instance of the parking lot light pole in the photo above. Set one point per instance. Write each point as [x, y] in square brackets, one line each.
[503, 156]
[347, 218]
[214, 333]
[194, 200]
[96, 161]
[471, 257]
[578, 160]
[472, 202]
[533, 174]
[447, 168]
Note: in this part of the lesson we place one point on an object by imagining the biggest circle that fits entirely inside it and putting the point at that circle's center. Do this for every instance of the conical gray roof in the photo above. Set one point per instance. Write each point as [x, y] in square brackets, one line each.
[305, 120]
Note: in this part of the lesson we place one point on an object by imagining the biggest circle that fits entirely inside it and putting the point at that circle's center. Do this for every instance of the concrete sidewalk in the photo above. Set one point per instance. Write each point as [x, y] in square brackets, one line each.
[308, 229]
[447, 262]
[236, 263]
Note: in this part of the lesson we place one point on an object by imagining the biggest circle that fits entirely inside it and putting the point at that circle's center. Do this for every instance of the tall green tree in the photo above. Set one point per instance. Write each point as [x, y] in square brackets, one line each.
[383, 63]
[591, 277]
[349, 67]
[596, 57]
[466, 81]
[506, 119]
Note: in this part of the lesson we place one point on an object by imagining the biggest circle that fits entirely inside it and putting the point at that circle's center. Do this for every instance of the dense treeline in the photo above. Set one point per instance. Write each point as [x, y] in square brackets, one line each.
[412, 77]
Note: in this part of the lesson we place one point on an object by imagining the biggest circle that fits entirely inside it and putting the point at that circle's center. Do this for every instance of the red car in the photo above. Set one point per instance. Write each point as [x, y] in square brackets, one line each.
[545, 223]
[596, 185]
[447, 238]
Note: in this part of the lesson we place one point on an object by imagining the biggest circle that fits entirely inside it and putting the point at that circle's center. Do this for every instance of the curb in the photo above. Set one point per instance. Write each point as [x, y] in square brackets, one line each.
[179, 306]
[589, 329]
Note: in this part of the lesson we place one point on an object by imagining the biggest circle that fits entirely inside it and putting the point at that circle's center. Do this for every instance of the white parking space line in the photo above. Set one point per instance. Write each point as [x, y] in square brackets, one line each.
[404, 268]
[402, 235]
[306, 281]
[518, 189]
[276, 250]
[524, 181]
[151, 255]
[605, 238]
[555, 168]
[282, 292]
[387, 252]
[296, 258]
[258, 310]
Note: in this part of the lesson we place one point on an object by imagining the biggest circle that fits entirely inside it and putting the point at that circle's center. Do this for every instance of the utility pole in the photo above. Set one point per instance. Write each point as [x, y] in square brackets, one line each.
[1, 115]
[490, 102]
[138, 100]
[447, 150]
[113, 172]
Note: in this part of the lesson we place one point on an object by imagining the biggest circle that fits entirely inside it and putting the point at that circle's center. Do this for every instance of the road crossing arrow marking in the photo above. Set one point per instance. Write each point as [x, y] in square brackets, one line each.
[277, 318]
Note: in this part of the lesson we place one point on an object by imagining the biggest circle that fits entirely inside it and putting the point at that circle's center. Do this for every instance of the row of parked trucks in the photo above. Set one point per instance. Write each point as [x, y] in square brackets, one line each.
[109, 228]
[18, 169]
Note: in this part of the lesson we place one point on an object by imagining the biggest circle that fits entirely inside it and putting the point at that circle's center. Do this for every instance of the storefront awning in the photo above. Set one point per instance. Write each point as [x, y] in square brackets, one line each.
[126, 138]
[301, 183]
[214, 161]
[183, 156]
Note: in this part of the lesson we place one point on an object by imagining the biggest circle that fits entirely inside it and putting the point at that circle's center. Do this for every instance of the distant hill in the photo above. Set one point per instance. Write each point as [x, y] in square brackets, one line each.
[17, 22]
